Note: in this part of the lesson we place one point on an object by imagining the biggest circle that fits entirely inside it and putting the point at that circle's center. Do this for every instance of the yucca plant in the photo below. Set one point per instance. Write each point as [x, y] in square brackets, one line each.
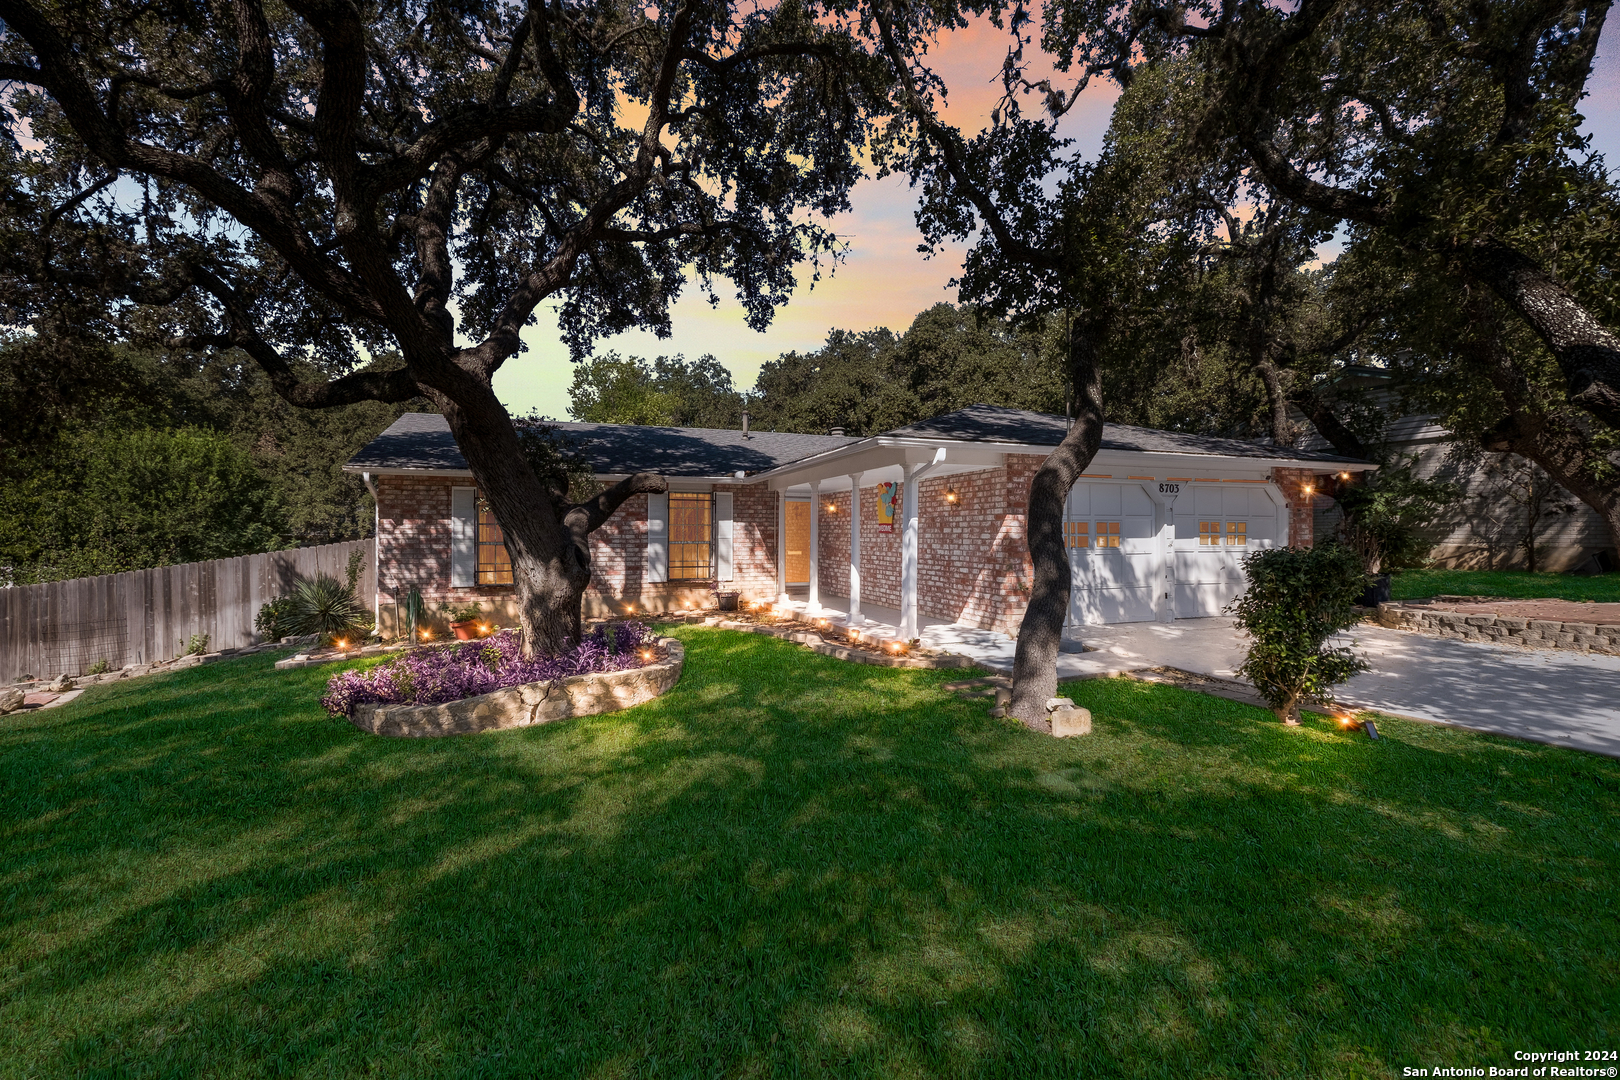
[325, 606]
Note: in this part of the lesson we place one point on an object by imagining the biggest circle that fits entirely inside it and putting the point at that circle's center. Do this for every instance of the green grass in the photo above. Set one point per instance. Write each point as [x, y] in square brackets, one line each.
[1416, 584]
[789, 866]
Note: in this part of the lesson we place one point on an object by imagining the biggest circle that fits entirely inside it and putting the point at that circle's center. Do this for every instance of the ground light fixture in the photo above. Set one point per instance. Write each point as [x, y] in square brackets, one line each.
[646, 655]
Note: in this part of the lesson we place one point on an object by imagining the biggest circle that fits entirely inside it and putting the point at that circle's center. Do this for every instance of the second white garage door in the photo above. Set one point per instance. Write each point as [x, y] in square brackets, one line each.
[1114, 553]
[1216, 525]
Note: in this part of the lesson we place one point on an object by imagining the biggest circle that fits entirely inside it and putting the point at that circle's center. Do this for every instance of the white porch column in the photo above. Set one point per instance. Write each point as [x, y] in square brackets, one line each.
[908, 558]
[908, 544]
[855, 618]
[815, 547]
[781, 547]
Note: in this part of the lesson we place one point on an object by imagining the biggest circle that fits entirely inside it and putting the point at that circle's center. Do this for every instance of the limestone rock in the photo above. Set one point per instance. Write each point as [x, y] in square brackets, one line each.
[11, 699]
[60, 684]
[1068, 720]
[1053, 703]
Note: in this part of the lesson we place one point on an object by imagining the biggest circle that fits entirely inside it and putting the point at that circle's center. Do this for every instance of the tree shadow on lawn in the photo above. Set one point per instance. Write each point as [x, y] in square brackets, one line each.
[789, 865]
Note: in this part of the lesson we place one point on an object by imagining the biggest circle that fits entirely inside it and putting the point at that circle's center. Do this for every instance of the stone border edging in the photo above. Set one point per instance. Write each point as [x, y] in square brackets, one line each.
[529, 704]
[136, 671]
[1500, 629]
[815, 643]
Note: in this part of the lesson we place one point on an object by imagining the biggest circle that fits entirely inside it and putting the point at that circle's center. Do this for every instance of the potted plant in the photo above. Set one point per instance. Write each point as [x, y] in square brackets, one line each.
[464, 619]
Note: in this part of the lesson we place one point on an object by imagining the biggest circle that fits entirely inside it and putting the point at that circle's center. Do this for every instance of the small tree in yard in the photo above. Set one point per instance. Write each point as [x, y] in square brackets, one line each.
[1297, 599]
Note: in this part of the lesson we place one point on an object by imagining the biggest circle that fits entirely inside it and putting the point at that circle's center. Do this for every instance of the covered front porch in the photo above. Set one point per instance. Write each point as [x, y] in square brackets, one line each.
[824, 492]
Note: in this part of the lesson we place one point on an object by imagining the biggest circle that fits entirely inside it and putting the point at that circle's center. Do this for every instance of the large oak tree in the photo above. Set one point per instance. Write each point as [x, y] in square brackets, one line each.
[321, 182]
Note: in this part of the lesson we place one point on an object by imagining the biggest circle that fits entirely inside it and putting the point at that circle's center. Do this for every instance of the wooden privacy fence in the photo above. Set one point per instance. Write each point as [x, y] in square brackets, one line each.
[147, 615]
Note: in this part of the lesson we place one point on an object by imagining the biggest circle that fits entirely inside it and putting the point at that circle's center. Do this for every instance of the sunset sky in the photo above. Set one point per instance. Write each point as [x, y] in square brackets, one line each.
[883, 281]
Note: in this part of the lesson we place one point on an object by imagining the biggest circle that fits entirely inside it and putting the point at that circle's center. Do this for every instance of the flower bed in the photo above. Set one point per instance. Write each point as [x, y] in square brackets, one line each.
[433, 676]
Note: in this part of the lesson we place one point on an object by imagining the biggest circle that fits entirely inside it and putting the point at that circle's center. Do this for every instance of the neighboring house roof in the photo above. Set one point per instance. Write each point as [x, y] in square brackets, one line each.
[992, 423]
[422, 441]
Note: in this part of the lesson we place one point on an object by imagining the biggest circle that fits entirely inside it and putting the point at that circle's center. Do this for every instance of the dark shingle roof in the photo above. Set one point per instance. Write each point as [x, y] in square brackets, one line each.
[992, 423]
[423, 441]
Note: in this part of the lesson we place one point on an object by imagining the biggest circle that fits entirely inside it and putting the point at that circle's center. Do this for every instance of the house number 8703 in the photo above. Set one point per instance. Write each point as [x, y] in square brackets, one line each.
[1169, 489]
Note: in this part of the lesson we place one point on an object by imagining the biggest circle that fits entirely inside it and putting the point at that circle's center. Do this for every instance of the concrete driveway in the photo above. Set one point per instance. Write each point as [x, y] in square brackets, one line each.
[1544, 695]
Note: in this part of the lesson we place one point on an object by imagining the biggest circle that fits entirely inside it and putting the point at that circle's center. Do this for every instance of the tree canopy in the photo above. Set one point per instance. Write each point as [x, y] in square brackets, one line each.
[371, 200]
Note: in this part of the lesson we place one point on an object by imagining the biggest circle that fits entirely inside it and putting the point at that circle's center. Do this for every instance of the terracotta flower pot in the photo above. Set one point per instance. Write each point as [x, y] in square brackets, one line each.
[466, 630]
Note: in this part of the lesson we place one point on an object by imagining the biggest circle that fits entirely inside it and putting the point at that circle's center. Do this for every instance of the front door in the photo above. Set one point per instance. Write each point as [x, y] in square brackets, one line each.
[797, 568]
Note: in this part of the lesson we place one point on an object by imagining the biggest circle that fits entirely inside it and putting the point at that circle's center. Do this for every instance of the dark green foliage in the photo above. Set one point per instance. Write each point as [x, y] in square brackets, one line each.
[1386, 513]
[326, 606]
[109, 500]
[77, 402]
[1296, 600]
[274, 620]
[789, 866]
[874, 381]
[614, 389]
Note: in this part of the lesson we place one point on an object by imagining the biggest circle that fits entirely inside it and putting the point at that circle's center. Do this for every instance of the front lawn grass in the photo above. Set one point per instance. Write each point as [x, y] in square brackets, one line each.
[1416, 584]
[789, 866]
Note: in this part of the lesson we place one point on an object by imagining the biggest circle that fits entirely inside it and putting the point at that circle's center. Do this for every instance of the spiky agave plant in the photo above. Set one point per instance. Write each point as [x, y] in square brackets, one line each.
[325, 606]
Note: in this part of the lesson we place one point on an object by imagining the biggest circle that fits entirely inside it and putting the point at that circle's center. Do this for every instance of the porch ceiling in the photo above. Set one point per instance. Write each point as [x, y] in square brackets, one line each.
[878, 461]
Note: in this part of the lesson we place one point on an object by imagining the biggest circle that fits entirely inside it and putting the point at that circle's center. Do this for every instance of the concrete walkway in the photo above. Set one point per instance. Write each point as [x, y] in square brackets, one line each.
[1542, 695]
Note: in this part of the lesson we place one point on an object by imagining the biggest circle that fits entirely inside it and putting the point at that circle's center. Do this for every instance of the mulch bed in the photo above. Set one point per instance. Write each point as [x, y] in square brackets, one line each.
[1550, 610]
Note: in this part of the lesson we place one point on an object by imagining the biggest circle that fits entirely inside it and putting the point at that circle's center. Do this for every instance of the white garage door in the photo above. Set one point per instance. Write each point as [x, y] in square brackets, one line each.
[1216, 525]
[1114, 554]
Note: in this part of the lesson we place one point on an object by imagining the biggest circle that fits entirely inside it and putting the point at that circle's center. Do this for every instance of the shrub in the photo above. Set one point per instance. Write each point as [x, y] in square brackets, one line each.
[1297, 599]
[197, 644]
[274, 620]
[431, 676]
[100, 667]
[327, 607]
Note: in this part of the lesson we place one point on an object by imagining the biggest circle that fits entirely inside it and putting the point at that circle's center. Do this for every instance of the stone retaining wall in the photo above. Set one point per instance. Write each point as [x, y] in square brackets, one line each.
[1502, 629]
[529, 704]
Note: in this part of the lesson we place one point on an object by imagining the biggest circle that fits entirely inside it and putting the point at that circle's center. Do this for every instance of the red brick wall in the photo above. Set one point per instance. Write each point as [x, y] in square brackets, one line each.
[1301, 504]
[413, 546]
[974, 566]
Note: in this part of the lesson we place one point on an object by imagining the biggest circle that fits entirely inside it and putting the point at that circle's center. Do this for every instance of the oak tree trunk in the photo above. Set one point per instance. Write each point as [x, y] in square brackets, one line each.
[1588, 353]
[1041, 633]
[1560, 441]
[547, 539]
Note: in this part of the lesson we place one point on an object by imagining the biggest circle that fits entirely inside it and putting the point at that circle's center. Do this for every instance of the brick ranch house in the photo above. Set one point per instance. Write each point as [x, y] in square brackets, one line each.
[1155, 529]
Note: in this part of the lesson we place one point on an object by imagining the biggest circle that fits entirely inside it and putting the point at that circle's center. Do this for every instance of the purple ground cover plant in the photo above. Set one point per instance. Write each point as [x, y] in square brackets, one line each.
[432, 676]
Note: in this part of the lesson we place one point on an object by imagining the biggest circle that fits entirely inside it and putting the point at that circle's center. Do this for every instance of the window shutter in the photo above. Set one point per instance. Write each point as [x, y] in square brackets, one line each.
[657, 537]
[463, 537]
[722, 535]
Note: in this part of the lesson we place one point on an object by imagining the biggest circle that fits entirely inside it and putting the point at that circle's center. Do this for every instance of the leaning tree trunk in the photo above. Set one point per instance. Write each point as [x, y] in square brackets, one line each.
[1587, 352]
[548, 540]
[1561, 441]
[1040, 634]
